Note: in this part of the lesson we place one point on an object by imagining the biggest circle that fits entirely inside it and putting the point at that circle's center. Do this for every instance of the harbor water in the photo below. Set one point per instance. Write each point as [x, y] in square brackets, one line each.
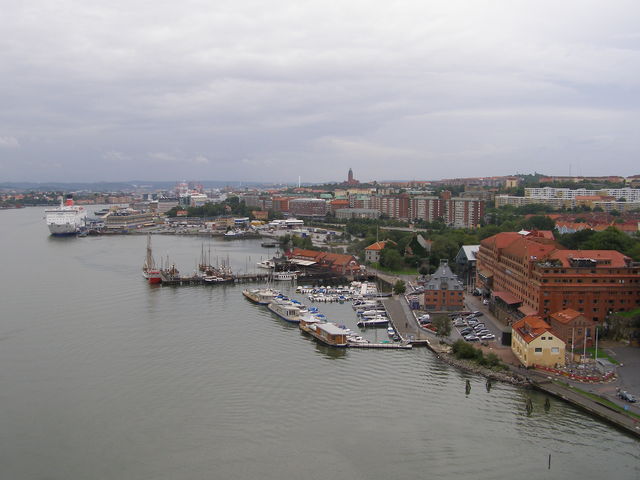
[105, 377]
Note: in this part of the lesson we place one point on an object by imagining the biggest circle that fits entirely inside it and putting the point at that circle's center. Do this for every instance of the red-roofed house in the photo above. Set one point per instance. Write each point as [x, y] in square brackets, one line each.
[573, 328]
[336, 262]
[372, 252]
[535, 343]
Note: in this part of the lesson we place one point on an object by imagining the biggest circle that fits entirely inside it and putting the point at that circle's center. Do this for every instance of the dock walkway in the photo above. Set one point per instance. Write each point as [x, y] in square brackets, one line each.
[404, 322]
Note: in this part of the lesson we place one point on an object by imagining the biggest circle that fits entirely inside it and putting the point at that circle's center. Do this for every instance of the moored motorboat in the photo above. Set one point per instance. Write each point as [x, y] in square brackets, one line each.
[374, 322]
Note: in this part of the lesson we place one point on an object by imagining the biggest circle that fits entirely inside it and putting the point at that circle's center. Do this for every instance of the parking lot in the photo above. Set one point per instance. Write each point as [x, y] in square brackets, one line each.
[474, 328]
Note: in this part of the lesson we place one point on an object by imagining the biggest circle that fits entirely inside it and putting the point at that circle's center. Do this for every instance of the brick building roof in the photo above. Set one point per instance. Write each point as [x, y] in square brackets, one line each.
[566, 316]
[531, 327]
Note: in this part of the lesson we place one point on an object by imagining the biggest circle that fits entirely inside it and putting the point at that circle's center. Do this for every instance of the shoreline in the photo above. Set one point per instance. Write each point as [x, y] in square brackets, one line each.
[545, 384]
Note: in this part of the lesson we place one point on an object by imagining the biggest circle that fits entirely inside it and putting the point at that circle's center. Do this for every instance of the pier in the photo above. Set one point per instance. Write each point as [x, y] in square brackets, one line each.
[388, 346]
[404, 322]
[200, 280]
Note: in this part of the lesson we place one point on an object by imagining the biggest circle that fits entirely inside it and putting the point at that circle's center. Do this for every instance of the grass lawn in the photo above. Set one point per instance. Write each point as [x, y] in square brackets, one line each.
[600, 400]
[601, 354]
[406, 271]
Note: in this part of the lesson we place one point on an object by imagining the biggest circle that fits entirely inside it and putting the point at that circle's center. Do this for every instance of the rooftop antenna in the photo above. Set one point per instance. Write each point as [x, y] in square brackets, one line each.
[298, 181]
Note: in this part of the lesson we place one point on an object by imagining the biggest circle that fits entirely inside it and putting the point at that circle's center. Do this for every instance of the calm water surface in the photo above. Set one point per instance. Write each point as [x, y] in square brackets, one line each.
[105, 377]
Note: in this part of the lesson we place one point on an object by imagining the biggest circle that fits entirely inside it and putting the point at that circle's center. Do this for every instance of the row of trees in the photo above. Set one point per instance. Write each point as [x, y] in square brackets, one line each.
[230, 206]
[404, 251]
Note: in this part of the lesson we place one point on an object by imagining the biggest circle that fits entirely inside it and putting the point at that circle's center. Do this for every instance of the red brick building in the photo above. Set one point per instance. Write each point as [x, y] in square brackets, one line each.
[573, 328]
[532, 273]
[280, 204]
[338, 204]
[308, 207]
[443, 291]
[336, 262]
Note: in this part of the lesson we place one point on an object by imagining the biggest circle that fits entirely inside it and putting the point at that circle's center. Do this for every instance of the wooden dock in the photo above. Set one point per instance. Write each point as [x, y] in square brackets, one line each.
[387, 346]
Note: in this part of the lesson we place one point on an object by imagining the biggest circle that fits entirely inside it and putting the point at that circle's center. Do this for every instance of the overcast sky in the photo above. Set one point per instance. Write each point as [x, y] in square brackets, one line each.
[272, 90]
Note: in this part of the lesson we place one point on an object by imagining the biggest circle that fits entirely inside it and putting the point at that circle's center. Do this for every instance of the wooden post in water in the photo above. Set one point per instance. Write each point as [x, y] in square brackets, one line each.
[467, 388]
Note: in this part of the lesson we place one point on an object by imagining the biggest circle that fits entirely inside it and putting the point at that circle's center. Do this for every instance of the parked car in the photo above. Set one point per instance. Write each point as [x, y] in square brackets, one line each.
[466, 331]
[488, 336]
[485, 302]
[477, 314]
[626, 396]
[472, 338]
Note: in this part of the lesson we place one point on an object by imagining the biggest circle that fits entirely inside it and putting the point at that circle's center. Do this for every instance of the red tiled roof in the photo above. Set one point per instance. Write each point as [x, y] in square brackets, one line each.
[531, 327]
[527, 310]
[507, 297]
[300, 252]
[615, 259]
[376, 246]
[566, 316]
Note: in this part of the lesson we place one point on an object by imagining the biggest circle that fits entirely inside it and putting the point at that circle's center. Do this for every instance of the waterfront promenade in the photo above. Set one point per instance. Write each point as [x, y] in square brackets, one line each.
[404, 321]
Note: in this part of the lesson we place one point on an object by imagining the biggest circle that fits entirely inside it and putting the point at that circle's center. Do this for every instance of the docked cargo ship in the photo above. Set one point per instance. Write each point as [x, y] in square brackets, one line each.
[67, 219]
[149, 269]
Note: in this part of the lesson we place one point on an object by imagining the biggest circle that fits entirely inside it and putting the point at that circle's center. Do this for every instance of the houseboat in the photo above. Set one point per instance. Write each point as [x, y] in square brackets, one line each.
[261, 296]
[325, 332]
[286, 310]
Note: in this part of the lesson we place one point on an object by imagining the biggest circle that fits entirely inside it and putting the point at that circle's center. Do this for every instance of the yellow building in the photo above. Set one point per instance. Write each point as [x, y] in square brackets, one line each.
[534, 343]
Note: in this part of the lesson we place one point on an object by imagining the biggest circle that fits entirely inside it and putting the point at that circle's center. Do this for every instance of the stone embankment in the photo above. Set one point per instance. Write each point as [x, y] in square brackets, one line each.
[443, 352]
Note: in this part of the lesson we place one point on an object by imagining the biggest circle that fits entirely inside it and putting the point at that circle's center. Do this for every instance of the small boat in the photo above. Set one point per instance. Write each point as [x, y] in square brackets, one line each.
[269, 244]
[268, 264]
[374, 322]
[285, 276]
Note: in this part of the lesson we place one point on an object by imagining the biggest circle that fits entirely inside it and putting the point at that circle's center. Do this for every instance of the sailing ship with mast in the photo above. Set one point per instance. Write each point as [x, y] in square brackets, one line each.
[210, 274]
[149, 269]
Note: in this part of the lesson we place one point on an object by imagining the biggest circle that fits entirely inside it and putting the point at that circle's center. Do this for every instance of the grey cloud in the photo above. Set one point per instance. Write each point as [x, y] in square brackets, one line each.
[395, 89]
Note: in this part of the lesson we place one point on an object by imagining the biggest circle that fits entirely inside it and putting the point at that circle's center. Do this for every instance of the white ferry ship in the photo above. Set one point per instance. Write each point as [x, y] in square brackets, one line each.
[67, 219]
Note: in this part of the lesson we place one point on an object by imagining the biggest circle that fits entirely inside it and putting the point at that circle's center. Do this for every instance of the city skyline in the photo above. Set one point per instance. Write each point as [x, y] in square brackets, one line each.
[414, 90]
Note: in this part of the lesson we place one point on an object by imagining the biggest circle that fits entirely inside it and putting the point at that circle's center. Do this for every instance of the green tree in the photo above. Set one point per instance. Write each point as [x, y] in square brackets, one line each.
[399, 287]
[443, 326]
[538, 222]
[390, 258]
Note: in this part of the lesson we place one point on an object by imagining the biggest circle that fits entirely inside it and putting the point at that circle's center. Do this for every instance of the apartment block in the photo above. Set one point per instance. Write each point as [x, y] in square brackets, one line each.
[530, 273]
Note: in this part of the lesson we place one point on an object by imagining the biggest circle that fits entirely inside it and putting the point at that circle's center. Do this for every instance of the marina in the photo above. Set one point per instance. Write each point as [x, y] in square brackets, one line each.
[181, 382]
